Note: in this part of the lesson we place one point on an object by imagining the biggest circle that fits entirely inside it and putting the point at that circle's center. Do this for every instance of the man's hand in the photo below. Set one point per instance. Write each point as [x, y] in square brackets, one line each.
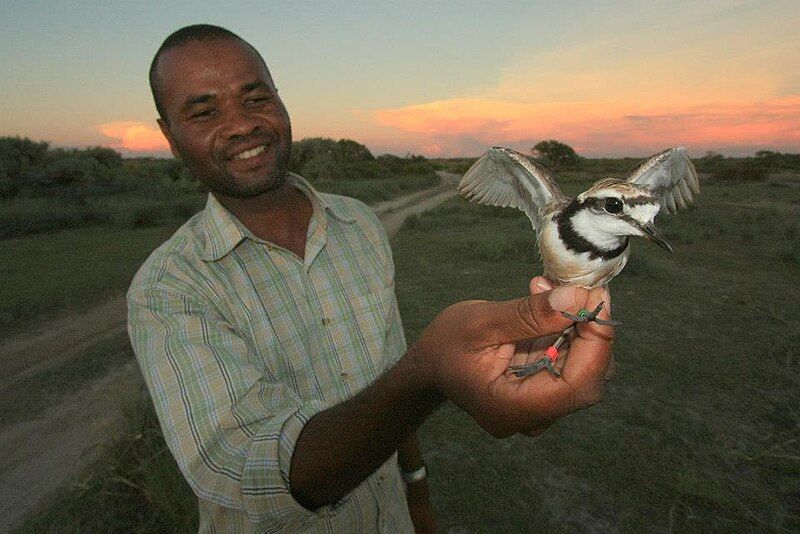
[470, 345]
[463, 356]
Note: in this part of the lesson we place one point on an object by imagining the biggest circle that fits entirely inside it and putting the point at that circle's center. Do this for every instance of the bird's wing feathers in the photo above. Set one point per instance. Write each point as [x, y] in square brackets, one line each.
[503, 177]
[669, 175]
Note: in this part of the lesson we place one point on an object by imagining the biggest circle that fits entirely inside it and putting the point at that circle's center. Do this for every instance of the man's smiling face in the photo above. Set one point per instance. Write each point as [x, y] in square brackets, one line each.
[223, 116]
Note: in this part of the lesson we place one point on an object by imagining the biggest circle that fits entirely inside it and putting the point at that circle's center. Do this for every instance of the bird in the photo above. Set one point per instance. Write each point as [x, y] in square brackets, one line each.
[585, 240]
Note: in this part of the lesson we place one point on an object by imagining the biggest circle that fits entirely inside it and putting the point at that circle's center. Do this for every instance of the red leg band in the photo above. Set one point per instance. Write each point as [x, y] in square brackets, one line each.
[552, 353]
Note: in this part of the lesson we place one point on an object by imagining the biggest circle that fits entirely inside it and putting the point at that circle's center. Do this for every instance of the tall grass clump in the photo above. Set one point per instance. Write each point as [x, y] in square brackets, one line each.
[133, 486]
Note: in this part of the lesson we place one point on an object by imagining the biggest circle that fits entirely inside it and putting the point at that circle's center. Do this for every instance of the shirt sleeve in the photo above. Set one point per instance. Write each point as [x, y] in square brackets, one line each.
[231, 427]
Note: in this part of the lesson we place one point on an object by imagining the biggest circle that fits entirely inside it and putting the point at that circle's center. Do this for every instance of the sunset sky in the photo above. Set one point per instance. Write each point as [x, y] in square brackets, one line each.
[434, 78]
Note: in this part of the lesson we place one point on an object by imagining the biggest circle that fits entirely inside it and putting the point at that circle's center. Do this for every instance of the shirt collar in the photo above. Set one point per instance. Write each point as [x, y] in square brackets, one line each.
[223, 231]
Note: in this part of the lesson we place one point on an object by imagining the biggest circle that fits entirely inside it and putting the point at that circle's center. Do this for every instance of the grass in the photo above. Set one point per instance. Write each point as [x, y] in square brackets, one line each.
[26, 216]
[103, 356]
[45, 274]
[377, 190]
[134, 486]
[698, 432]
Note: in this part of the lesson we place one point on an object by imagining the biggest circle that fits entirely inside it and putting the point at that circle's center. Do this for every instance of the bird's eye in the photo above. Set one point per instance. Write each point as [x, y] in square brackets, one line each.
[613, 205]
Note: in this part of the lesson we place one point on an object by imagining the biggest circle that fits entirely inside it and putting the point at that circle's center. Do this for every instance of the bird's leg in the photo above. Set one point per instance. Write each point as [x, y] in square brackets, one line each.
[586, 316]
[551, 353]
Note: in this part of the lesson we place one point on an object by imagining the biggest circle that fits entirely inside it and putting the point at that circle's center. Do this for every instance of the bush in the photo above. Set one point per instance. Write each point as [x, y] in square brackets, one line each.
[20, 158]
[321, 159]
[34, 215]
[410, 165]
[107, 157]
[454, 165]
[778, 161]
[21, 154]
[129, 212]
[742, 170]
[147, 191]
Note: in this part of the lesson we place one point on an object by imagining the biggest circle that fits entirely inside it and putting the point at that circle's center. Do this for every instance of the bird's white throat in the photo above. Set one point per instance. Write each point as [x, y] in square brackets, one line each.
[602, 231]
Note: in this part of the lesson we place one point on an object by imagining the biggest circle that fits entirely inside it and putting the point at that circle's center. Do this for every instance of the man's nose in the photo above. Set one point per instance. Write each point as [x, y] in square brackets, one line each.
[239, 123]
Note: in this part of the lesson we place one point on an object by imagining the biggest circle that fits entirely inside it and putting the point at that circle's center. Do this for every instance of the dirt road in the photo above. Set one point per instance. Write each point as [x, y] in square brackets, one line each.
[40, 455]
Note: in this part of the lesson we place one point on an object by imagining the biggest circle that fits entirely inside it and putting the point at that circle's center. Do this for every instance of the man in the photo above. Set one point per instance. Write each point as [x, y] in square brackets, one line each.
[268, 333]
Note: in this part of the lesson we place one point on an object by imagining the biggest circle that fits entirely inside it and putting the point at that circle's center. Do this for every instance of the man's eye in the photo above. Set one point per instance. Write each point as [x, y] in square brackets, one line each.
[257, 101]
[613, 205]
[203, 114]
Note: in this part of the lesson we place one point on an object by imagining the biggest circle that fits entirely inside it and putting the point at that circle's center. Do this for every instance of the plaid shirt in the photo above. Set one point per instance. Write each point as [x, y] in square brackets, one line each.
[240, 343]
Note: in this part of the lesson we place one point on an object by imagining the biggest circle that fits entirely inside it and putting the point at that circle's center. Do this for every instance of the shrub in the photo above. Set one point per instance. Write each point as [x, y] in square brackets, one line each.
[20, 154]
[34, 215]
[742, 170]
[128, 212]
[410, 165]
[107, 157]
[777, 161]
[320, 159]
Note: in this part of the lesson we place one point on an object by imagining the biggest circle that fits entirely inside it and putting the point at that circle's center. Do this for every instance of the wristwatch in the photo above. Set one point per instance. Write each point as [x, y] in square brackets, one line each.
[409, 477]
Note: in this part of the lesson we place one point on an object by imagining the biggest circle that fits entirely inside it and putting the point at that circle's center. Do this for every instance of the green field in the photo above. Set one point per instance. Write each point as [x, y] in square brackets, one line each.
[43, 275]
[698, 432]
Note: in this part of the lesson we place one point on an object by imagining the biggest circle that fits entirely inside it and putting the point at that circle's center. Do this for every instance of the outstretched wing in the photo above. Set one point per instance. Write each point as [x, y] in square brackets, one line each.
[669, 175]
[503, 177]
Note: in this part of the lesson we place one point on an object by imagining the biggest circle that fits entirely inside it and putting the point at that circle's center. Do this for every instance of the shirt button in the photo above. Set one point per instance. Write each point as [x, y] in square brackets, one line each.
[325, 321]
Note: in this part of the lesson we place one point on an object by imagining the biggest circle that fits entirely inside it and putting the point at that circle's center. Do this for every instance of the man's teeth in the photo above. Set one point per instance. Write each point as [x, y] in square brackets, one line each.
[250, 153]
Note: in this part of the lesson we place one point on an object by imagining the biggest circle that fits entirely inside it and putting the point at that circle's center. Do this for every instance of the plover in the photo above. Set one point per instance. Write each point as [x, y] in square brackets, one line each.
[583, 240]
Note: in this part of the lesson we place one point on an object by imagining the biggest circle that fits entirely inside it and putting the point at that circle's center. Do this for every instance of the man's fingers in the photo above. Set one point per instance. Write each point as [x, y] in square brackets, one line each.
[540, 284]
[590, 362]
[592, 329]
[534, 316]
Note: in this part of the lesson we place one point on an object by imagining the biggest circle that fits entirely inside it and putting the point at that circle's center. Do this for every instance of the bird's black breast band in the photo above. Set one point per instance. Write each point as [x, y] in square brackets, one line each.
[578, 243]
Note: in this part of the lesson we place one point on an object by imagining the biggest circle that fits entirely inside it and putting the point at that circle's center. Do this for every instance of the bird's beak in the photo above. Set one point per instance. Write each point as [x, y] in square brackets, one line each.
[652, 233]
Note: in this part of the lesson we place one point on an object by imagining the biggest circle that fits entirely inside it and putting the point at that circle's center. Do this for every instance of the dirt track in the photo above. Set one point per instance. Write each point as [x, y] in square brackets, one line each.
[39, 456]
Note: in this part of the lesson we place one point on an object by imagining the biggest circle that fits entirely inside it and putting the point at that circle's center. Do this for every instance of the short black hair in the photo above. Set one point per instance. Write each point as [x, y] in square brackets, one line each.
[195, 32]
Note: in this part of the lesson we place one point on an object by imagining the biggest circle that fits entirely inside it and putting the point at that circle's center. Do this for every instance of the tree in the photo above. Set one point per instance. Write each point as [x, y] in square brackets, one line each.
[21, 163]
[556, 153]
[107, 157]
[349, 150]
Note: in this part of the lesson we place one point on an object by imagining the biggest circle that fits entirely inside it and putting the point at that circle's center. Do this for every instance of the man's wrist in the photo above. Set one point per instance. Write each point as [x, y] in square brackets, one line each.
[416, 368]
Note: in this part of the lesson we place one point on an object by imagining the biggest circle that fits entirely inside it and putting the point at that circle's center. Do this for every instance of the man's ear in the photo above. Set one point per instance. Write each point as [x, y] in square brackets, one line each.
[165, 130]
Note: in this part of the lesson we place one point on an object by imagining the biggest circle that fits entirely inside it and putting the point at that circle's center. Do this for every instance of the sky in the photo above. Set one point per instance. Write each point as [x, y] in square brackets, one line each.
[441, 79]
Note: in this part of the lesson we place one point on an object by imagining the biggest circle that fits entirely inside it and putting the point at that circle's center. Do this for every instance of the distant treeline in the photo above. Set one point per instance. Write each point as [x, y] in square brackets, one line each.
[753, 169]
[45, 189]
[562, 158]
[715, 166]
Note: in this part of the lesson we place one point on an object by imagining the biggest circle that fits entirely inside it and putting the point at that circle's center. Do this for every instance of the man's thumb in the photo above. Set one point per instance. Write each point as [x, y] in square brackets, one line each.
[540, 314]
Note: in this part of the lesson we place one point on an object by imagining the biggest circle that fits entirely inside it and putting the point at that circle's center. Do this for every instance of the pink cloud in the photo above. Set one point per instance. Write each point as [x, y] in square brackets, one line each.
[457, 126]
[134, 136]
